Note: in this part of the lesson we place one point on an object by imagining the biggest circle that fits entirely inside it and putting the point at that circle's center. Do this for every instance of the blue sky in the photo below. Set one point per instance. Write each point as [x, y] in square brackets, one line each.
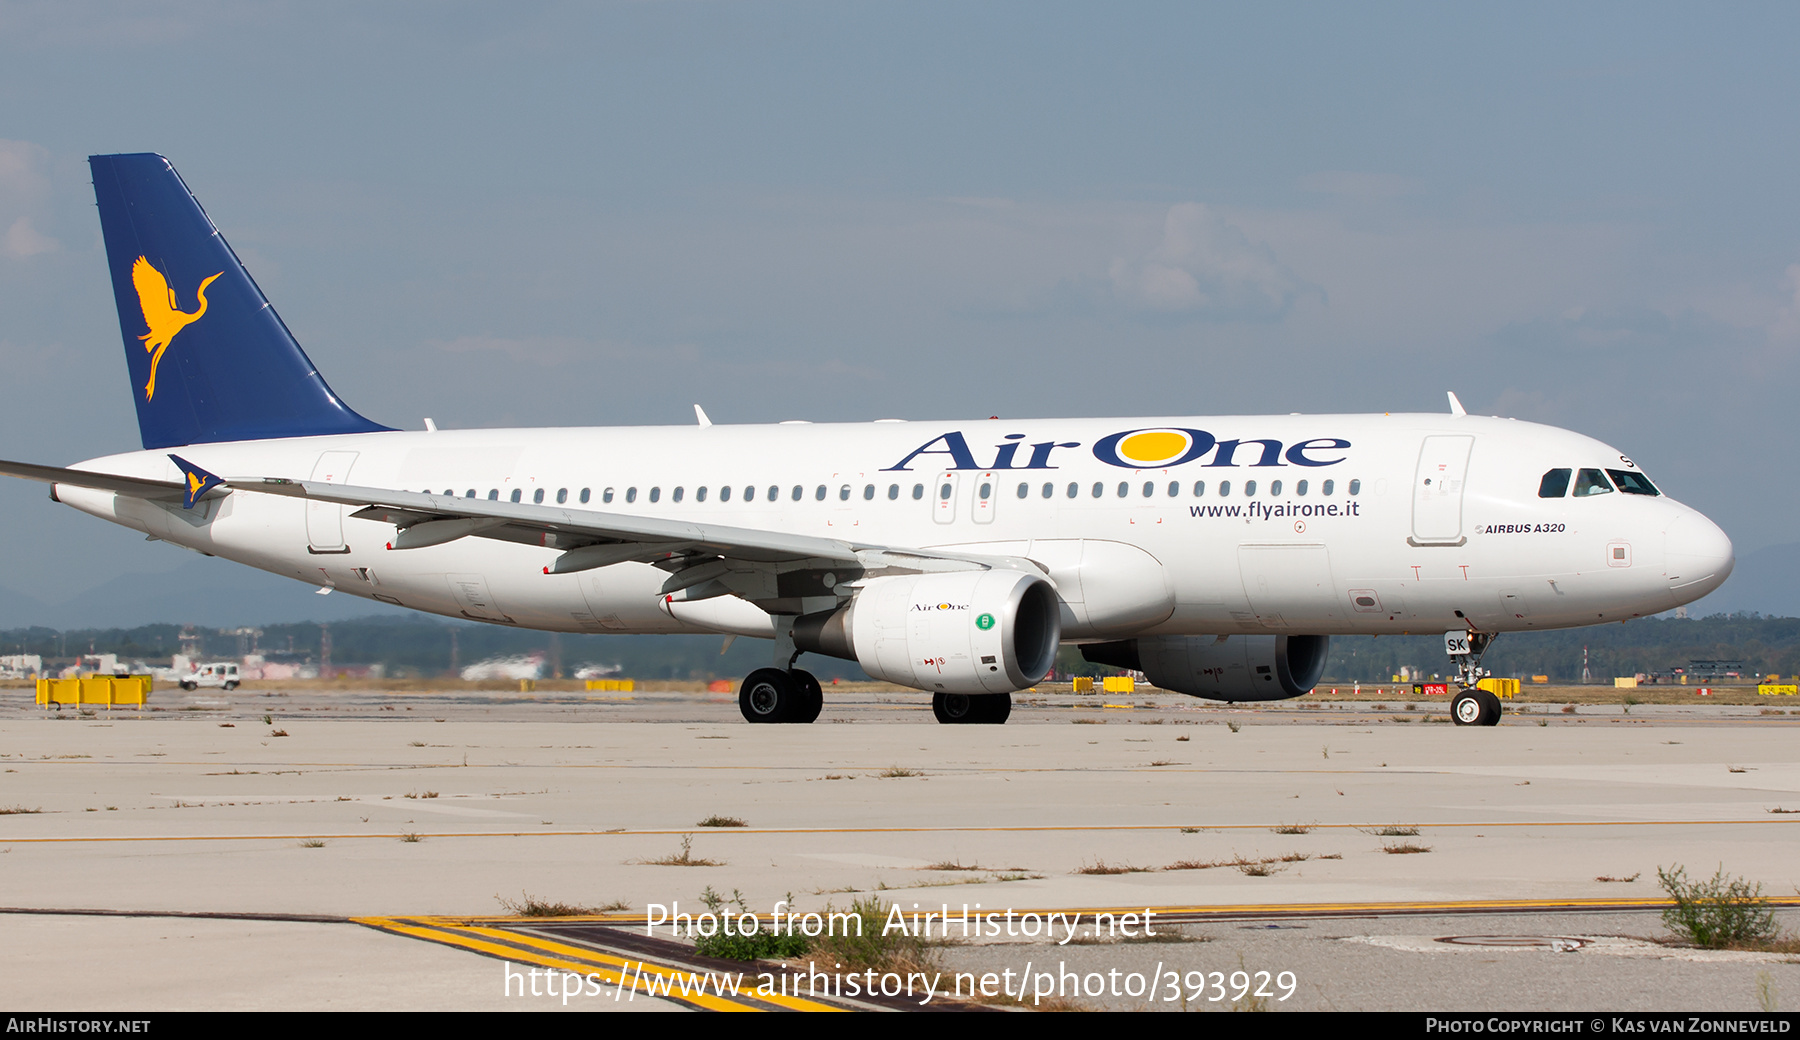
[600, 213]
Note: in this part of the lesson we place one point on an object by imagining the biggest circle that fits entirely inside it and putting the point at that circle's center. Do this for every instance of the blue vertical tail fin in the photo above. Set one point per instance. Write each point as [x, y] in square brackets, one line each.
[210, 360]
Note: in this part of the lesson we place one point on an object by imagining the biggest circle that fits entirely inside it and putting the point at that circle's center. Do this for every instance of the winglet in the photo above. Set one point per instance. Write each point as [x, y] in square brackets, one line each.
[1456, 407]
[700, 416]
[198, 482]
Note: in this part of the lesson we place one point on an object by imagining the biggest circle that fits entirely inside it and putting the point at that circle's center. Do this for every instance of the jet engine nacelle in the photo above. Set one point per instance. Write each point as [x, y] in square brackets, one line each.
[969, 632]
[1233, 668]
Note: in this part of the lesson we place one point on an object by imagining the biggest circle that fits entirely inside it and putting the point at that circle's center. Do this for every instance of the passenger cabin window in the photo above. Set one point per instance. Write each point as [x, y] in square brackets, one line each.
[1328, 487]
[724, 494]
[868, 492]
[518, 493]
[538, 496]
[493, 494]
[631, 494]
[562, 496]
[1124, 489]
[1555, 483]
[1274, 488]
[470, 493]
[1356, 487]
[1074, 489]
[1099, 489]
[1199, 488]
[1174, 489]
[1300, 488]
[1224, 489]
[1632, 483]
[819, 493]
[1149, 488]
[918, 492]
[1049, 490]
[1024, 490]
[1249, 489]
[798, 491]
[1591, 482]
[893, 492]
[656, 494]
[844, 493]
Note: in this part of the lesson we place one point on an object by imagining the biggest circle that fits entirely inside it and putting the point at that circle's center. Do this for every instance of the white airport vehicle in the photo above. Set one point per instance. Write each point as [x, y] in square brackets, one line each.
[1216, 554]
[222, 675]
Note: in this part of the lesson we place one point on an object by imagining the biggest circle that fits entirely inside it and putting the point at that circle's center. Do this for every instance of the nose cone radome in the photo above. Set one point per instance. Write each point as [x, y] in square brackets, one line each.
[1699, 557]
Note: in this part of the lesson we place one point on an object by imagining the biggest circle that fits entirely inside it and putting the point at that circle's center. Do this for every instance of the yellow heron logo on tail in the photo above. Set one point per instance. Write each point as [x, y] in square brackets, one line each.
[162, 315]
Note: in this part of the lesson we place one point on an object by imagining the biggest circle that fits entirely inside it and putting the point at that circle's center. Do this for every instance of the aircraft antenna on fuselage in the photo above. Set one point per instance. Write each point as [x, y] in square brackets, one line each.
[1456, 407]
[700, 416]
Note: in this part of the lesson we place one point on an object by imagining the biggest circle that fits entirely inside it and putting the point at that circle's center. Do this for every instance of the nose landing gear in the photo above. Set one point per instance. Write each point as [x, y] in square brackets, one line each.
[1471, 706]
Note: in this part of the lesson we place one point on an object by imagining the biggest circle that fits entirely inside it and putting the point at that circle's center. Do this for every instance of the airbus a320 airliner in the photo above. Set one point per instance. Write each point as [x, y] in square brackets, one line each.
[1218, 555]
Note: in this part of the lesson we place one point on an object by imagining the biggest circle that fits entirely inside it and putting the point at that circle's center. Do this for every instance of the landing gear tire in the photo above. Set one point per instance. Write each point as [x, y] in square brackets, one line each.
[812, 697]
[952, 709]
[1475, 708]
[770, 695]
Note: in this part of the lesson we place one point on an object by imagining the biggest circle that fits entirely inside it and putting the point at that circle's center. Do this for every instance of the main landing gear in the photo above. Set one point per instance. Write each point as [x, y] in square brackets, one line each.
[774, 695]
[1471, 706]
[971, 709]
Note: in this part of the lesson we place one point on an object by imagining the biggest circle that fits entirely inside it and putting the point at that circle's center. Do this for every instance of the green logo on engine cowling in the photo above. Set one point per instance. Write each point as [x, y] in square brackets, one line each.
[985, 622]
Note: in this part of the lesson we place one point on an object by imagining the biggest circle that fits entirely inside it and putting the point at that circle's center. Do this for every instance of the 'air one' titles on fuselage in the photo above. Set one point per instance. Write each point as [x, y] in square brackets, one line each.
[1154, 447]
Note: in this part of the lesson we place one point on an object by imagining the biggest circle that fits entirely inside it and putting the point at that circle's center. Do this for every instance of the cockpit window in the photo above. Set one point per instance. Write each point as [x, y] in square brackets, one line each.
[1632, 483]
[1591, 482]
[1555, 484]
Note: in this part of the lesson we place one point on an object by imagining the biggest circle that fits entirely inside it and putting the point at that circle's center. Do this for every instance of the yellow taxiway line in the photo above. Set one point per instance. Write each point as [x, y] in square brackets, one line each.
[627, 976]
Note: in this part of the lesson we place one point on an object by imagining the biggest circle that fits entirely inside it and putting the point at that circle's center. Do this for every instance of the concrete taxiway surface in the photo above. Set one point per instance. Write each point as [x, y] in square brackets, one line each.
[367, 809]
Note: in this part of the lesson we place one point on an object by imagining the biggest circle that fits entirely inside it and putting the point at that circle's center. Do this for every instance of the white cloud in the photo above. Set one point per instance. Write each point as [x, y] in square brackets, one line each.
[1786, 327]
[1206, 266]
[23, 240]
[24, 194]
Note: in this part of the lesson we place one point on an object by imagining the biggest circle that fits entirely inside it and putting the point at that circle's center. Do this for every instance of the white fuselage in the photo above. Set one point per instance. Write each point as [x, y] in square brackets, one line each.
[1334, 524]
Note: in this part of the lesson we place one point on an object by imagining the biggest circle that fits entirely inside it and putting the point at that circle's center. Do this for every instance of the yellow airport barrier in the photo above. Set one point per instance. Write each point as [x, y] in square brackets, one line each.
[104, 690]
[1507, 688]
[1625, 682]
[1778, 690]
[1118, 684]
[527, 685]
[1084, 684]
[612, 685]
[1541, 680]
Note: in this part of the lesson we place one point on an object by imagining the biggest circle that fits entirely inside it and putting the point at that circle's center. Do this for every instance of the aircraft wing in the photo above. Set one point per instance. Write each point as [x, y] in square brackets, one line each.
[704, 560]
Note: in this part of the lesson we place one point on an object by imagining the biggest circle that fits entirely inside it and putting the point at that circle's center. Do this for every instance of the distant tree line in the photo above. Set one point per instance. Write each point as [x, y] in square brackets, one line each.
[422, 647]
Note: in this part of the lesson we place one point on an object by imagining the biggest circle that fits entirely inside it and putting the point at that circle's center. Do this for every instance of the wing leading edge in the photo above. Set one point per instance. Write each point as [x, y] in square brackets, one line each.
[776, 570]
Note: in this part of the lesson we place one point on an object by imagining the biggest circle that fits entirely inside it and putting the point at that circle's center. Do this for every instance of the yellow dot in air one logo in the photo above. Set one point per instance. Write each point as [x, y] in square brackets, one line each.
[1153, 446]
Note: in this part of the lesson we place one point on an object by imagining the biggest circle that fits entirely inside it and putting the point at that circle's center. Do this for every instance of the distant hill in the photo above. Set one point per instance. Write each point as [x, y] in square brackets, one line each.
[1766, 581]
[203, 591]
[138, 614]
